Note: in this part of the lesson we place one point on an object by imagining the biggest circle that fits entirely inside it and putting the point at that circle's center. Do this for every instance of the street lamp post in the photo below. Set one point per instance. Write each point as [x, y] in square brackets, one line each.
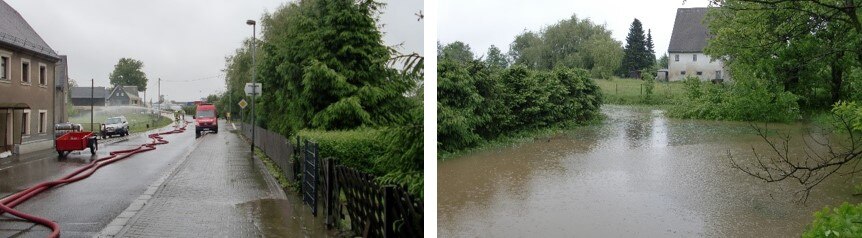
[253, 81]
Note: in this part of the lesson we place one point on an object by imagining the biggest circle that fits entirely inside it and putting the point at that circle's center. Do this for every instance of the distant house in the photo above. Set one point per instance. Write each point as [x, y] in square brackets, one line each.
[685, 52]
[124, 96]
[27, 86]
[82, 96]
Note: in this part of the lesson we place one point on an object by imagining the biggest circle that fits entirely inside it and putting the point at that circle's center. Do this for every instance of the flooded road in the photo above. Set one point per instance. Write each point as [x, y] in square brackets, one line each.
[638, 174]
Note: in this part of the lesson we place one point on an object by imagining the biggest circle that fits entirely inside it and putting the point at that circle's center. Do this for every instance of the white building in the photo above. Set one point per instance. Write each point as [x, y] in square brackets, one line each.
[685, 52]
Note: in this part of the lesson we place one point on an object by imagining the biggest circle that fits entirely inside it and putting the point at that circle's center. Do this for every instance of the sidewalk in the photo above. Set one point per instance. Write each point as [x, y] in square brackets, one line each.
[217, 191]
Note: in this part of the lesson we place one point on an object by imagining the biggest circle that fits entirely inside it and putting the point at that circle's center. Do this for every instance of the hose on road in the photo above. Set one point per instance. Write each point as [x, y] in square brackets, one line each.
[7, 204]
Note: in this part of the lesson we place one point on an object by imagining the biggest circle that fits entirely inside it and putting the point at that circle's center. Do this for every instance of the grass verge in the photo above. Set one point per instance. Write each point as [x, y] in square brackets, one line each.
[137, 122]
[275, 171]
[625, 91]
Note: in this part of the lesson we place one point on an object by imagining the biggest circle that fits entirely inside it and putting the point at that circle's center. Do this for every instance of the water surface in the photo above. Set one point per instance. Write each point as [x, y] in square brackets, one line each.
[638, 174]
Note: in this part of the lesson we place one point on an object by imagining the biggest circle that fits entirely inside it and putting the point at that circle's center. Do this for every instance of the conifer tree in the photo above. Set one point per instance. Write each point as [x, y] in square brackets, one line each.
[650, 47]
[636, 55]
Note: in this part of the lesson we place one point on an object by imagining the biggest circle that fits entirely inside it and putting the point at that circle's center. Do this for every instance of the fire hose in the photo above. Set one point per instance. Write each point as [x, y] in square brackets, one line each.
[7, 204]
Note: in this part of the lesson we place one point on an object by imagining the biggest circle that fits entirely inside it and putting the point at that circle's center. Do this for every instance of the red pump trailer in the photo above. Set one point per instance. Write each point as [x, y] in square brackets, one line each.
[72, 141]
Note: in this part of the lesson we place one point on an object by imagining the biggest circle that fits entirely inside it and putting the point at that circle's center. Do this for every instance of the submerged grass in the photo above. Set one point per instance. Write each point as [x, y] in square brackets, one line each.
[518, 137]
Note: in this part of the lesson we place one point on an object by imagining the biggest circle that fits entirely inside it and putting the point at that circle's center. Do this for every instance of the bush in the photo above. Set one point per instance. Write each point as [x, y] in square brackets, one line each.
[851, 112]
[354, 148]
[477, 103]
[842, 221]
[744, 100]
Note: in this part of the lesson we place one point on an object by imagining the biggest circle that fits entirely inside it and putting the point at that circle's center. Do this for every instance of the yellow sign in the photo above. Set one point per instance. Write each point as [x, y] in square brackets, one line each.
[243, 104]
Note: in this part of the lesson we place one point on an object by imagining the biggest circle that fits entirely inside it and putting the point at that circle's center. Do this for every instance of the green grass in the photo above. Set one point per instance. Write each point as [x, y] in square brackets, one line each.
[275, 171]
[137, 122]
[626, 91]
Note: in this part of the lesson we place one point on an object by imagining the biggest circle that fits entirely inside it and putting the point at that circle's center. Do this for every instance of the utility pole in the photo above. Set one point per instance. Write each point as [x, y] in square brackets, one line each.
[92, 101]
[253, 82]
[159, 99]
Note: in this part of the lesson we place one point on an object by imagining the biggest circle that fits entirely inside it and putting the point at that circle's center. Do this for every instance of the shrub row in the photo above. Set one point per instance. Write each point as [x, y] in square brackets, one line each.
[742, 100]
[357, 148]
[477, 103]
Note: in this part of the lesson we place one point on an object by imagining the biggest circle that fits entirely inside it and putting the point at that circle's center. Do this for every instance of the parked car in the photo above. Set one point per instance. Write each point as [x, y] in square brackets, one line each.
[206, 119]
[115, 126]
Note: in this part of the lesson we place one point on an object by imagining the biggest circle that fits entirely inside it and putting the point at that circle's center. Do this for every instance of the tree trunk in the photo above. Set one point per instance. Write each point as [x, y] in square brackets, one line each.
[837, 79]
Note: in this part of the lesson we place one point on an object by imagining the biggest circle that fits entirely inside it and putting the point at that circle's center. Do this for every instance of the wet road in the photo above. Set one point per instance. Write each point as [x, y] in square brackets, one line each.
[82, 209]
[638, 174]
[221, 191]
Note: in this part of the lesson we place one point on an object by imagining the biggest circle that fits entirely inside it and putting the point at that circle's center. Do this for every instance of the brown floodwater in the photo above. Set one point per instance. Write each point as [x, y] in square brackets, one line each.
[637, 174]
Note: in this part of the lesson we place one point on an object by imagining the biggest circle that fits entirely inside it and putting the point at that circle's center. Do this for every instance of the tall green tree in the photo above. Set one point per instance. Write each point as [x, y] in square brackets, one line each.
[457, 51]
[324, 65]
[810, 48]
[637, 54]
[129, 72]
[496, 58]
[650, 47]
[237, 73]
[573, 43]
[527, 50]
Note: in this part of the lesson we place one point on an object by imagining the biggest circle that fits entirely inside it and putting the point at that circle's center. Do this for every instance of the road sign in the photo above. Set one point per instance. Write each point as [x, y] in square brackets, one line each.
[255, 89]
[242, 104]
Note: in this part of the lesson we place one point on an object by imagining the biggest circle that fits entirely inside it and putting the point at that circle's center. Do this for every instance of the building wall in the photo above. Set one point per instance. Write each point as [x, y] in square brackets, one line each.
[39, 97]
[61, 90]
[118, 98]
[687, 63]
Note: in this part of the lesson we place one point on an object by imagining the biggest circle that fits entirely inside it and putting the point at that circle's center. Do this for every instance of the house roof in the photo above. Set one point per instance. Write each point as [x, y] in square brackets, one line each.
[84, 92]
[689, 33]
[15, 31]
[131, 90]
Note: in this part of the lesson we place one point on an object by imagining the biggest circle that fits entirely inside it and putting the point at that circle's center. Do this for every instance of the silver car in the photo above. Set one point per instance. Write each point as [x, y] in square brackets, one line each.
[115, 126]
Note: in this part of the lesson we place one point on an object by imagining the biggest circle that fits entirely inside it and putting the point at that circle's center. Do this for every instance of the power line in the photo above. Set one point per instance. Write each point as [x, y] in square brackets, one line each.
[193, 80]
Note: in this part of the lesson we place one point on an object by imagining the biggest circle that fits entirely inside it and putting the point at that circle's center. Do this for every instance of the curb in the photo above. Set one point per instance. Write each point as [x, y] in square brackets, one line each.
[274, 187]
[119, 223]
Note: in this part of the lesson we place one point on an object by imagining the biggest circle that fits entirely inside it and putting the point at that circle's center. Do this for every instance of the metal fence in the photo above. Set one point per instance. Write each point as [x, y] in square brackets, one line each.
[310, 180]
[374, 210]
[276, 147]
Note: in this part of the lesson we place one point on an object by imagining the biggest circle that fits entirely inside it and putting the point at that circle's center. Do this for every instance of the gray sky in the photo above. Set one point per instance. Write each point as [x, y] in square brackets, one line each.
[176, 40]
[481, 23]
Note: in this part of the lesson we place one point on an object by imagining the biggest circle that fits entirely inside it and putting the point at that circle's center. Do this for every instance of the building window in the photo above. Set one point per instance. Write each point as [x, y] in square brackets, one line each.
[699, 73]
[4, 67]
[43, 74]
[694, 57]
[682, 72]
[25, 122]
[43, 121]
[676, 58]
[25, 71]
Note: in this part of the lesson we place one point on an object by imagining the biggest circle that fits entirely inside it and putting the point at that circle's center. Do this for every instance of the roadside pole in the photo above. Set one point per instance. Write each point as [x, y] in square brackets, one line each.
[92, 101]
[253, 81]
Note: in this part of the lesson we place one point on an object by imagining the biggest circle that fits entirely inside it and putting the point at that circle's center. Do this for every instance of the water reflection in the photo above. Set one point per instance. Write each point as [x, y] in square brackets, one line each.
[638, 174]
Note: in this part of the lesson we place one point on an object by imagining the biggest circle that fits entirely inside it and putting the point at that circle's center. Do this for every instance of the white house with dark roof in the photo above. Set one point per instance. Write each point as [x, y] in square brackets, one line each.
[685, 52]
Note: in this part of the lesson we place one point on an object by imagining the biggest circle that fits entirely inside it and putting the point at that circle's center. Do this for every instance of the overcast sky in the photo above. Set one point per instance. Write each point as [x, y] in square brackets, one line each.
[482, 23]
[176, 40]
